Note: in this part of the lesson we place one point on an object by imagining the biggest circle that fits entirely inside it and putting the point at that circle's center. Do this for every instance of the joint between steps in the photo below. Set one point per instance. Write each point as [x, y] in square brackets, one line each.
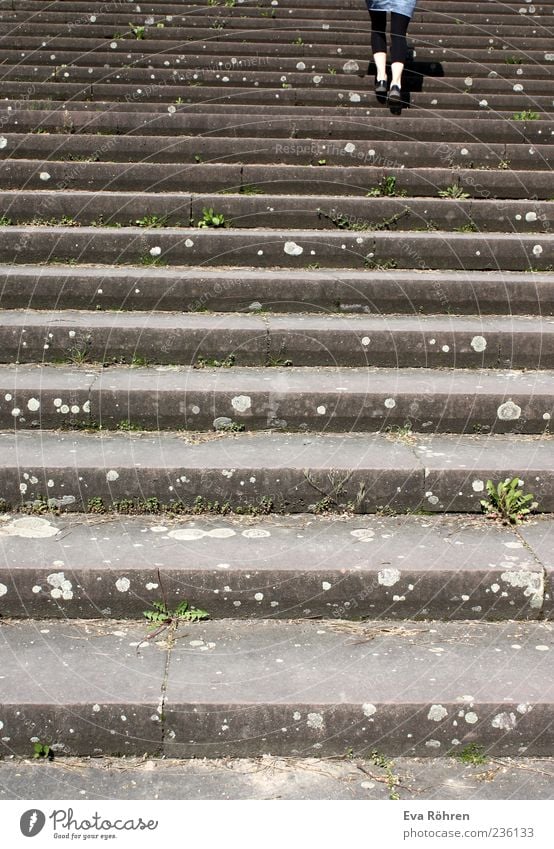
[545, 584]
[163, 689]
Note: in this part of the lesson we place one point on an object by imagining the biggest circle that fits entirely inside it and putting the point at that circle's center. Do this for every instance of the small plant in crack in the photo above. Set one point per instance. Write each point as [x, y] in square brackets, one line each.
[386, 188]
[453, 191]
[526, 115]
[508, 502]
[160, 616]
[390, 779]
[42, 751]
[138, 31]
[203, 362]
[211, 218]
[152, 221]
[473, 753]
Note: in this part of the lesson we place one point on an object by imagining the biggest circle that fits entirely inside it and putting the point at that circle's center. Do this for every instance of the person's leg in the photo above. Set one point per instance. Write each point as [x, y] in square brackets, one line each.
[398, 27]
[379, 42]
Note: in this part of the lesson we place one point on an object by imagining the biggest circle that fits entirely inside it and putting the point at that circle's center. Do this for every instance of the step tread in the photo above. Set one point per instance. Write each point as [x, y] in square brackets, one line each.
[277, 567]
[276, 778]
[232, 686]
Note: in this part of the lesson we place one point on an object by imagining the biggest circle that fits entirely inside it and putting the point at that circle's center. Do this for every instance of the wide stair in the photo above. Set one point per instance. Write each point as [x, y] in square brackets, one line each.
[263, 344]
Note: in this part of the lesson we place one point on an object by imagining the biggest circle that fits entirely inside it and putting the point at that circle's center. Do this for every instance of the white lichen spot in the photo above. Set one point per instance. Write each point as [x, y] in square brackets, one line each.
[155, 251]
[321, 410]
[368, 709]
[433, 744]
[33, 404]
[112, 475]
[255, 533]
[537, 250]
[151, 586]
[530, 582]
[315, 720]
[524, 708]
[478, 343]
[61, 586]
[388, 577]
[44, 176]
[508, 411]
[188, 243]
[259, 596]
[363, 534]
[296, 716]
[365, 341]
[478, 485]
[3, 589]
[122, 584]
[349, 147]
[30, 527]
[471, 717]
[325, 585]
[504, 721]
[241, 403]
[292, 249]
[437, 713]
[390, 403]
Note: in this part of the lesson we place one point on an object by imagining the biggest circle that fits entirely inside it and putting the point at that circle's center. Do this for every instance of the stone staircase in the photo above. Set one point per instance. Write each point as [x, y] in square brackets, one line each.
[262, 345]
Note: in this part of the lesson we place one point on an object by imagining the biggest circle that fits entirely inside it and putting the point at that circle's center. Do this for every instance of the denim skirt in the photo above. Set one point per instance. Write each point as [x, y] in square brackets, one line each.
[402, 7]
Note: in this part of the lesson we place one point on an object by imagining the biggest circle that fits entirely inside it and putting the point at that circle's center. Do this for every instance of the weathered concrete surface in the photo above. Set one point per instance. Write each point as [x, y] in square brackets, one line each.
[308, 339]
[81, 688]
[311, 209]
[276, 778]
[318, 689]
[539, 536]
[273, 567]
[246, 290]
[302, 689]
[425, 400]
[279, 248]
[270, 472]
[292, 471]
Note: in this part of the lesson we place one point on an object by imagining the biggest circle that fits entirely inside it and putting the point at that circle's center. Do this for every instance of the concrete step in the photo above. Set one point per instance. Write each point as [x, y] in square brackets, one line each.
[232, 688]
[332, 8]
[281, 28]
[269, 121]
[196, 14]
[278, 778]
[276, 567]
[274, 248]
[512, 67]
[258, 473]
[310, 339]
[266, 78]
[425, 400]
[309, 211]
[534, 55]
[355, 178]
[273, 149]
[36, 287]
[302, 96]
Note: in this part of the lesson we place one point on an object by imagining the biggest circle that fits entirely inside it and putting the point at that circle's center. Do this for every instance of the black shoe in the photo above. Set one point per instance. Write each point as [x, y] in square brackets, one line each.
[381, 88]
[394, 96]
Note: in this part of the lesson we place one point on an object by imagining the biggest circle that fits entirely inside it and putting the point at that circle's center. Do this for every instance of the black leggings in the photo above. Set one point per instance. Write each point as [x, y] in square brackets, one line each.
[398, 30]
